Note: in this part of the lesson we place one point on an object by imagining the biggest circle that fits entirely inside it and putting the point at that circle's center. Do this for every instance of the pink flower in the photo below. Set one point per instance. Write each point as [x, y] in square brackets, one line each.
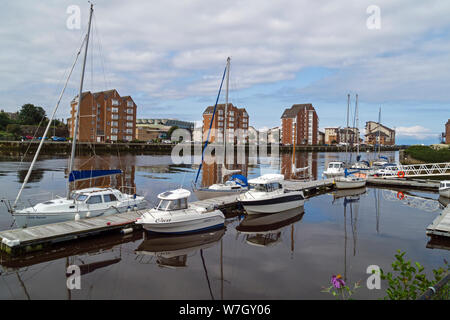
[337, 281]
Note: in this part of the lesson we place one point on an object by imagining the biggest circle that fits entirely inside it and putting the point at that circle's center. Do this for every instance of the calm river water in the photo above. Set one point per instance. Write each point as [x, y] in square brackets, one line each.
[337, 233]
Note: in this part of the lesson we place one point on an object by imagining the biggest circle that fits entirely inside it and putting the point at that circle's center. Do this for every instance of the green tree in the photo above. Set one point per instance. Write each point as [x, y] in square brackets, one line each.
[31, 114]
[14, 128]
[4, 120]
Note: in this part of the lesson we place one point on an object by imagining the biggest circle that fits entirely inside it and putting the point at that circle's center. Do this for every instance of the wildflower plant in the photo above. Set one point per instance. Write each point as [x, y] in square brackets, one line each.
[339, 289]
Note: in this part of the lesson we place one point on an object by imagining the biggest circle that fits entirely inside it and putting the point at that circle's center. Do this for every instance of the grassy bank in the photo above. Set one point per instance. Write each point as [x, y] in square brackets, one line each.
[424, 154]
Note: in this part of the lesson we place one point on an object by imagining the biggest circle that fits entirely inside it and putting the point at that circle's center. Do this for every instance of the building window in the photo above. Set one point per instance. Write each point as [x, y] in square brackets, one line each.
[115, 102]
[129, 117]
[115, 117]
[114, 124]
[114, 138]
[129, 131]
[129, 103]
[115, 110]
[114, 130]
[129, 124]
[130, 111]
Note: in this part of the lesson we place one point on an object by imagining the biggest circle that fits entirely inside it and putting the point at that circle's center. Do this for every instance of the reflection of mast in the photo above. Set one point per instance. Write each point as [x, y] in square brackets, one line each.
[345, 240]
[69, 293]
[221, 269]
[23, 286]
[353, 224]
[377, 208]
[206, 274]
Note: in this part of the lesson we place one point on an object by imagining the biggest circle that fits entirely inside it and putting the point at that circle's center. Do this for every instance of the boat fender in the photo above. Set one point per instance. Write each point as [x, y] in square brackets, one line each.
[77, 217]
[88, 214]
[135, 208]
[126, 230]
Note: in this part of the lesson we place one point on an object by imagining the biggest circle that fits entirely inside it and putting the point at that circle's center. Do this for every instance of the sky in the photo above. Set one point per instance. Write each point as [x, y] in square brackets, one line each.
[169, 56]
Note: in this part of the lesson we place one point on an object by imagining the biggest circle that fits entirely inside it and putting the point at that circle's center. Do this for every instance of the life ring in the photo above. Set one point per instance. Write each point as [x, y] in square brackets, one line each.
[400, 195]
[401, 174]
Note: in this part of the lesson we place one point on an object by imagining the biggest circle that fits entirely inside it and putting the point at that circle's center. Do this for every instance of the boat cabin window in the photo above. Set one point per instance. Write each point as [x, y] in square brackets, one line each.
[168, 205]
[109, 197]
[94, 199]
[335, 165]
[444, 185]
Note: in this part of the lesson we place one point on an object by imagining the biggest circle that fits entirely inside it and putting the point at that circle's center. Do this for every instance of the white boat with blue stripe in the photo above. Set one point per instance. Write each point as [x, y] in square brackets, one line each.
[173, 215]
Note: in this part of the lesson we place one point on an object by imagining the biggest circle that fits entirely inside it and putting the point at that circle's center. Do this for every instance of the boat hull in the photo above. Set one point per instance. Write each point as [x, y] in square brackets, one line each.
[27, 219]
[277, 204]
[203, 194]
[187, 224]
[444, 192]
[350, 184]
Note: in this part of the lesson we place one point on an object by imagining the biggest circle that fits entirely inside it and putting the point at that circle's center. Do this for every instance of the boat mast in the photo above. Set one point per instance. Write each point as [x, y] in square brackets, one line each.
[357, 126]
[27, 177]
[379, 138]
[75, 130]
[346, 129]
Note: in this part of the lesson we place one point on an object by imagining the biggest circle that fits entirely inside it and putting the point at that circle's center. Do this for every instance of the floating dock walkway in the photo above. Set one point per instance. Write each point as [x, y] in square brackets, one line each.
[441, 225]
[428, 185]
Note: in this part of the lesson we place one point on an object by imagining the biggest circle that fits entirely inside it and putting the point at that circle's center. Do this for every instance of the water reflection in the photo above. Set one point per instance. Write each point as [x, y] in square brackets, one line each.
[124, 182]
[265, 229]
[35, 176]
[213, 172]
[172, 251]
[306, 160]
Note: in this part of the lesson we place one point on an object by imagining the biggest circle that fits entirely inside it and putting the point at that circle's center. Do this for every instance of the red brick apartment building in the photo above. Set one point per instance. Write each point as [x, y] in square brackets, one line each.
[237, 119]
[300, 122]
[104, 116]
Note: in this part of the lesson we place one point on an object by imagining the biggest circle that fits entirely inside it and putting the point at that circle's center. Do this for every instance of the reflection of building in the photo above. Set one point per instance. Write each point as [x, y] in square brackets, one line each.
[212, 171]
[124, 182]
[302, 160]
[300, 122]
[237, 118]
[104, 116]
[373, 130]
[447, 132]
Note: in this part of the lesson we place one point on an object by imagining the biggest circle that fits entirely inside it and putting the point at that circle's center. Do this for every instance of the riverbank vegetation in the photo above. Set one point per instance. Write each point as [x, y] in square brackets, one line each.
[427, 154]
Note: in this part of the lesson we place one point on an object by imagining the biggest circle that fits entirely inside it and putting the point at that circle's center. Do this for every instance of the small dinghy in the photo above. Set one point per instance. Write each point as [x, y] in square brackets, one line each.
[173, 215]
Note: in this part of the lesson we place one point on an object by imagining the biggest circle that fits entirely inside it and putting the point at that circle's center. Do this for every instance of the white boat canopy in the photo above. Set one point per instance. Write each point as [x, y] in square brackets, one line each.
[174, 194]
[267, 178]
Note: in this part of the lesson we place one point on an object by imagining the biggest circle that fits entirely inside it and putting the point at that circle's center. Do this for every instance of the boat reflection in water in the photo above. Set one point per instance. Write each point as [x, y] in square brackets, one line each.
[444, 201]
[265, 230]
[172, 250]
[349, 194]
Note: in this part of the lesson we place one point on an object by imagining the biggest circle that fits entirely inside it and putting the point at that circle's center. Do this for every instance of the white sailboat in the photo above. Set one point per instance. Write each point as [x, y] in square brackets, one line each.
[237, 183]
[174, 215]
[82, 203]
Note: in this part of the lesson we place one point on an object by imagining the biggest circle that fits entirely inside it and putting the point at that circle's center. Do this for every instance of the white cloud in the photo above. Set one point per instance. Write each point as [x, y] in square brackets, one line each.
[417, 132]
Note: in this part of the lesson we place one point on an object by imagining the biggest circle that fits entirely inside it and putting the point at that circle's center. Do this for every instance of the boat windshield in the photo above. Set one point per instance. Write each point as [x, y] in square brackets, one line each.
[269, 187]
[81, 197]
[169, 205]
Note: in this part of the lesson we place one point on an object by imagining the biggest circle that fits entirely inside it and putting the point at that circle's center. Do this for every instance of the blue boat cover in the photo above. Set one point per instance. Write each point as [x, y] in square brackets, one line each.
[239, 179]
[90, 174]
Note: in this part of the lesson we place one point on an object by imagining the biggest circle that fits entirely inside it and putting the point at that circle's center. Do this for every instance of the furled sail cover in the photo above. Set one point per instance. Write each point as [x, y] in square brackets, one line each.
[91, 174]
[240, 180]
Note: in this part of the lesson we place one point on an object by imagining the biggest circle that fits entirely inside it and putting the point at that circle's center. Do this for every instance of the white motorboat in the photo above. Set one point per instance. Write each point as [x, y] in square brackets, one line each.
[173, 215]
[334, 169]
[267, 195]
[444, 188]
[349, 182]
[84, 203]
